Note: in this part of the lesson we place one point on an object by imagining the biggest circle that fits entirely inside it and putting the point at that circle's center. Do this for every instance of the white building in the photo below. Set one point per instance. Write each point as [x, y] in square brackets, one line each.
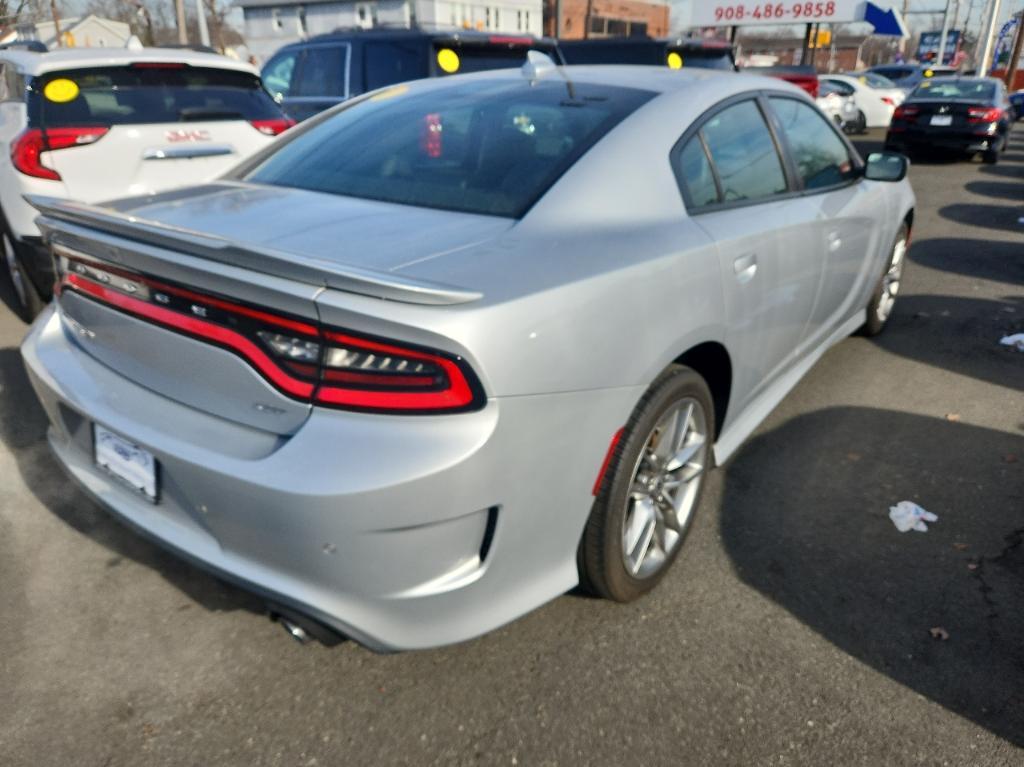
[88, 32]
[269, 24]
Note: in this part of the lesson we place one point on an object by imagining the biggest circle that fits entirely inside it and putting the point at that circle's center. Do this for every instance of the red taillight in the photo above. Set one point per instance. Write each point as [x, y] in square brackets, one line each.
[27, 149]
[430, 135]
[907, 113]
[324, 366]
[272, 127]
[984, 114]
[888, 101]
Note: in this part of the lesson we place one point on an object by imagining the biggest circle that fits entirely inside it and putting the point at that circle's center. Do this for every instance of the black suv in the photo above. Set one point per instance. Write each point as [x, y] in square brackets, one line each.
[315, 74]
[676, 53]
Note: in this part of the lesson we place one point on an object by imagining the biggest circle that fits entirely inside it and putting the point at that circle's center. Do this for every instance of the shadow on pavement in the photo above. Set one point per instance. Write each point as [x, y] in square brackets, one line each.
[23, 425]
[1005, 217]
[995, 260]
[960, 335]
[1005, 171]
[1004, 190]
[805, 522]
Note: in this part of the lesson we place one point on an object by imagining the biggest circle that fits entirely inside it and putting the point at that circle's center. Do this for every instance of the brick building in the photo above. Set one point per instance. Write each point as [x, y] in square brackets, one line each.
[606, 18]
[844, 54]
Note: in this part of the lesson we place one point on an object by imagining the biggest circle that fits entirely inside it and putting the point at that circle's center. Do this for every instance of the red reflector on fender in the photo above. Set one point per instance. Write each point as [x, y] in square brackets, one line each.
[607, 461]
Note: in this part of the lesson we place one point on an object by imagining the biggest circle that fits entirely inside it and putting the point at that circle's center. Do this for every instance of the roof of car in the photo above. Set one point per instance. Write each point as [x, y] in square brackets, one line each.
[73, 58]
[383, 32]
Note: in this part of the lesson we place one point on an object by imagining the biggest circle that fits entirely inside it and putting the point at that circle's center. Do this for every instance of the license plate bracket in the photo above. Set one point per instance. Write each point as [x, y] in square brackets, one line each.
[130, 464]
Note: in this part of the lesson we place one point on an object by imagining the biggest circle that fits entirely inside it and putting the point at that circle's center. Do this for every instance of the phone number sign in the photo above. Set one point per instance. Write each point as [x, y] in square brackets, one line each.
[720, 13]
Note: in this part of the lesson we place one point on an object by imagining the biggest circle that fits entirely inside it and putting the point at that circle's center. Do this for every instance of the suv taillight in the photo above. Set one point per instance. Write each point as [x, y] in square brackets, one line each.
[27, 149]
[325, 366]
[978, 115]
[273, 127]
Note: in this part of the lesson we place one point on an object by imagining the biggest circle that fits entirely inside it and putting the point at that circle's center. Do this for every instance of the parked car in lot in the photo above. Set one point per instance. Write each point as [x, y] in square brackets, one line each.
[1017, 102]
[315, 74]
[804, 77]
[909, 76]
[837, 103]
[970, 115]
[874, 106]
[675, 52]
[93, 124]
[410, 392]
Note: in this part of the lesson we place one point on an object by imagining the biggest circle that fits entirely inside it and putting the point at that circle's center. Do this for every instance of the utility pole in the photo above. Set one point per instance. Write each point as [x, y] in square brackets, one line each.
[179, 12]
[56, 24]
[204, 32]
[940, 57]
[989, 31]
[1018, 43]
[558, 18]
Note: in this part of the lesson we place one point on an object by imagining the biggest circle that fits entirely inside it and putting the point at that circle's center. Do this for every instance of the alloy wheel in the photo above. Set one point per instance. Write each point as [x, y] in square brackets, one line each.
[664, 488]
[891, 280]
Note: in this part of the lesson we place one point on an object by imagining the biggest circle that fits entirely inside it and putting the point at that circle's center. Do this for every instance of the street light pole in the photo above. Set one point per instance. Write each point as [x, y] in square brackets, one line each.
[1018, 42]
[989, 31]
[179, 12]
[940, 58]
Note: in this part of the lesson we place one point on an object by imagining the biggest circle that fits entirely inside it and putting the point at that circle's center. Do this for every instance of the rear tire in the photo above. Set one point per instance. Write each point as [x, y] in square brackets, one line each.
[990, 156]
[651, 490]
[27, 303]
[880, 306]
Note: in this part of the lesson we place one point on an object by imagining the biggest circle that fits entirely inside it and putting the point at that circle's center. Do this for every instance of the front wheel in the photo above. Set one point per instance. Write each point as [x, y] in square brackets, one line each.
[647, 499]
[884, 298]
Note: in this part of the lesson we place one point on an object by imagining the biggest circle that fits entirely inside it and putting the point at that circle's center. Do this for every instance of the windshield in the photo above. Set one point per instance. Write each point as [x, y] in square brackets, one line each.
[974, 90]
[147, 93]
[480, 146]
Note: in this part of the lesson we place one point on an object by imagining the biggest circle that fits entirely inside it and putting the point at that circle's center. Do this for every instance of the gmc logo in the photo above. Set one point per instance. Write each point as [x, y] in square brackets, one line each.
[175, 136]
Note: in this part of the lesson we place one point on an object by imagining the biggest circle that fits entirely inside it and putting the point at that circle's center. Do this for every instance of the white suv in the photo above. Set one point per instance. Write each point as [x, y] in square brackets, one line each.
[96, 124]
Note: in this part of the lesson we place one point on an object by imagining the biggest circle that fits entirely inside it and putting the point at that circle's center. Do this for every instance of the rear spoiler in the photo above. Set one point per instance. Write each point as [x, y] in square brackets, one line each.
[278, 263]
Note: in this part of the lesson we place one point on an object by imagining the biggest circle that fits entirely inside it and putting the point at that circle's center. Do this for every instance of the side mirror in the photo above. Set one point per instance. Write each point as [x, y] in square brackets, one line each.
[886, 166]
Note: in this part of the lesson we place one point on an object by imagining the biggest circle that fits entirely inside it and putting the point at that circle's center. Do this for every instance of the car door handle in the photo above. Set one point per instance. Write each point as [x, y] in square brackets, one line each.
[835, 242]
[745, 267]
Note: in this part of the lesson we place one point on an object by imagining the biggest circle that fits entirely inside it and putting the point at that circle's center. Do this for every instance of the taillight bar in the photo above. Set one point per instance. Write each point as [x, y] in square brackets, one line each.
[983, 114]
[274, 126]
[27, 149]
[324, 366]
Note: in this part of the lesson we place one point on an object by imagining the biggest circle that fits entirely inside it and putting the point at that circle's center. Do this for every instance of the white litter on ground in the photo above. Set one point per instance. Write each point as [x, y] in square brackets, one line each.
[1016, 341]
[907, 515]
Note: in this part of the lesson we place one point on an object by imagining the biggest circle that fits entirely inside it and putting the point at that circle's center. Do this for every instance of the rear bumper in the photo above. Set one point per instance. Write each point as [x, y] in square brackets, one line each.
[400, 532]
[959, 142]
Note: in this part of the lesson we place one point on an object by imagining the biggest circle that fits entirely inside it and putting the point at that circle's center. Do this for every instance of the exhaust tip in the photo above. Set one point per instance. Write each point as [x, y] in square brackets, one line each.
[302, 628]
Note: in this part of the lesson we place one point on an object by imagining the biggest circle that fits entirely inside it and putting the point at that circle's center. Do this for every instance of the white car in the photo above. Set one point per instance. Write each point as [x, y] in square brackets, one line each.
[838, 106]
[96, 124]
[875, 97]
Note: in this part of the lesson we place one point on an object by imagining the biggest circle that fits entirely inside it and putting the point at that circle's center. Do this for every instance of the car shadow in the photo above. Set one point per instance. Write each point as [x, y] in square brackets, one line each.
[805, 522]
[23, 426]
[1003, 190]
[1014, 170]
[960, 335]
[996, 260]
[1004, 217]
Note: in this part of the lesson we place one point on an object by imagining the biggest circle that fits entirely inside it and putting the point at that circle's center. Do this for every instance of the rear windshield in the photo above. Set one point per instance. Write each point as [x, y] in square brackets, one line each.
[479, 58]
[652, 54]
[147, 94]
[894, 73]
[975, 90]
[482, 146]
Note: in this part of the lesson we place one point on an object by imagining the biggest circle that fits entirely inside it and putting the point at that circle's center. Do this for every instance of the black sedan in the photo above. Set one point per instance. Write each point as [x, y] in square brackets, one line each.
[961, 114]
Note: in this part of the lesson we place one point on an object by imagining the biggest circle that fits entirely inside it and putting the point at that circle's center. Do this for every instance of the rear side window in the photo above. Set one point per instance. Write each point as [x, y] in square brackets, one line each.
[822, 158]
[706, 59]
[136, 95]
[894, 73]
[480, 146]
[278, 73]
[697, 176]
[387, 63]
[323, 71]
[744, 154]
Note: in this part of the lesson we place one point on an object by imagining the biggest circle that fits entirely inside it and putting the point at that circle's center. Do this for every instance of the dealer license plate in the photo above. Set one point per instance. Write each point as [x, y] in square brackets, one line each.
[942, 120]
[126, 461]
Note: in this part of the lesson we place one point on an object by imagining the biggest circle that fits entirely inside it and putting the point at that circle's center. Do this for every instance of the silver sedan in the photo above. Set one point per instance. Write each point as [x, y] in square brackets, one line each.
[439, 355]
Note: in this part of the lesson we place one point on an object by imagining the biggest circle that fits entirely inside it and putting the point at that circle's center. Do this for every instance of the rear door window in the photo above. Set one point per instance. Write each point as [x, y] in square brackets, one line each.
[386, 63]
[747, 162]
[694, 169]
[821, 156]
[322, 71]
[143, 94]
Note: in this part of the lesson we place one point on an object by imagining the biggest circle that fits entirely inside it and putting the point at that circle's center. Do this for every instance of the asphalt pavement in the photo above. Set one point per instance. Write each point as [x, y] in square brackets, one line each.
[798, 627]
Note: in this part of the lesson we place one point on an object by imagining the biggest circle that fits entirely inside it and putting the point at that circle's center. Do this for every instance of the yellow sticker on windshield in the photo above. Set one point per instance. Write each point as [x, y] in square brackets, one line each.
[674, 61]
[448, 60]
[928, 73]
[61, 90]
